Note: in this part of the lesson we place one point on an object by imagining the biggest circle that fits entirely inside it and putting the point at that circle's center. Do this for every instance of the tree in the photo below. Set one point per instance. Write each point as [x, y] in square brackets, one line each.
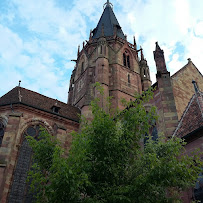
[108, 163]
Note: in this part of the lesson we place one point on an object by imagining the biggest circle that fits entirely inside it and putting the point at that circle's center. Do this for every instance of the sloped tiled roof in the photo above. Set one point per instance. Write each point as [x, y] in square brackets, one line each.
[108, 20]
[192, 118]
[38, 101]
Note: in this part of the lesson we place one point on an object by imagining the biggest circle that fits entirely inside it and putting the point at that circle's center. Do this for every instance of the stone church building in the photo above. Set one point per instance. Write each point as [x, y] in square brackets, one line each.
[121, 69]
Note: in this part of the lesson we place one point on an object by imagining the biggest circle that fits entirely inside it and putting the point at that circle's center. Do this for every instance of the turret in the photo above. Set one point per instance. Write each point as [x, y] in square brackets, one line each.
[168, 118]
[144, 72]
[159, 60]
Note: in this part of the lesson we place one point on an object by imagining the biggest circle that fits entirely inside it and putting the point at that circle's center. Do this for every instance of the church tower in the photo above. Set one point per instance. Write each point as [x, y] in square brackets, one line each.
[108, 58]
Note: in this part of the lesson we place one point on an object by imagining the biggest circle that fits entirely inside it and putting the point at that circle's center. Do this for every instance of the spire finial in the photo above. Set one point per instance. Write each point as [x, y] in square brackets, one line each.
[108, 4]
[78, 50]
[19, 83]
[142, 55]
[135, 45]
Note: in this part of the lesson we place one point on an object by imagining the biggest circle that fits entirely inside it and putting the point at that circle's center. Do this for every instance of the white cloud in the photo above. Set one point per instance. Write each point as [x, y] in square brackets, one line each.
[39, 38]
[170, 23]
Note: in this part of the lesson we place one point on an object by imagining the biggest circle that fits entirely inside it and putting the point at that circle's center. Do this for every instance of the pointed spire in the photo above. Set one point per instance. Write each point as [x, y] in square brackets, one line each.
[159, 59]
[78, 50]
[90, 37]
[108, 18]
[102, 30]
[114, 30]
[157, 47]
[135, 45]
[142, 55]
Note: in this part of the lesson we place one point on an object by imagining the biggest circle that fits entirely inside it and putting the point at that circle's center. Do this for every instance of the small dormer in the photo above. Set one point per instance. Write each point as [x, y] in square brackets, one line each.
[55, 108]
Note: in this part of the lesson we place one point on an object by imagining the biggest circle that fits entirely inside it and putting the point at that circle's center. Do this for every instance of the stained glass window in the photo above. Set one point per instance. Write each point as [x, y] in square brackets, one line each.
[20, 188]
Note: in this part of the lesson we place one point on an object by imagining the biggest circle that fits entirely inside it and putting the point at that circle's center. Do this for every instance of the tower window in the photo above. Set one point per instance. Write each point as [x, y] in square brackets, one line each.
[126, 59]
[100, 49]
[1, 132]
[144, 73]
[128, 79]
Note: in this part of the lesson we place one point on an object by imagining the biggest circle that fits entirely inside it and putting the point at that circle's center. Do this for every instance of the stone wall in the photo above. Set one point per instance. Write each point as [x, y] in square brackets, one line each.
[19, 118]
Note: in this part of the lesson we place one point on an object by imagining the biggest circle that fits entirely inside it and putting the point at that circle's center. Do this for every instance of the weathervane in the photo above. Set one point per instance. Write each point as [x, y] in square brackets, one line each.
[108, 4]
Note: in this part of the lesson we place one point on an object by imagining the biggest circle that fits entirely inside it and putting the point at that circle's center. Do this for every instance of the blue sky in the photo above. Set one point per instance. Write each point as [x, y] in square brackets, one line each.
[38, 38]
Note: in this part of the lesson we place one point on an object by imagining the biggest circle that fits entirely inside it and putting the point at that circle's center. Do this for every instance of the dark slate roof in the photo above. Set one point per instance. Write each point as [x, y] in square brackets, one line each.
[108, 19]
[192, 118]
[38, 101]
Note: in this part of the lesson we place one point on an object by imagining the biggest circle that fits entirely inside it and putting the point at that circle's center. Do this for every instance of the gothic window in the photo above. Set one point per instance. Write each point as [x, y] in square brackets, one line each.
[126, 59]
[100, 49]
[19, 191]
[1, 132]
[128, 79]
[144, 73]
[198, 190]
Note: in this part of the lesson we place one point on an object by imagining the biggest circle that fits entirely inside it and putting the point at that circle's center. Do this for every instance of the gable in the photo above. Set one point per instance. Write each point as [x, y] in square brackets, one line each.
[182, 86]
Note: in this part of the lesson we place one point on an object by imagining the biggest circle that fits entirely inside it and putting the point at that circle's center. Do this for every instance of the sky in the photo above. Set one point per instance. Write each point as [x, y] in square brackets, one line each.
[39, 38]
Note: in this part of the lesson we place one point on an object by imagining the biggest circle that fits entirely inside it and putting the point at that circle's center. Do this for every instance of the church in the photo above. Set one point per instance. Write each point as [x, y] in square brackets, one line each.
[122, 70]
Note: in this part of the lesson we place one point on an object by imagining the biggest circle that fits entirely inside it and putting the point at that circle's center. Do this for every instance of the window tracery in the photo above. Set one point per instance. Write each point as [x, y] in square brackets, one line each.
[20, 189]
[126, 59]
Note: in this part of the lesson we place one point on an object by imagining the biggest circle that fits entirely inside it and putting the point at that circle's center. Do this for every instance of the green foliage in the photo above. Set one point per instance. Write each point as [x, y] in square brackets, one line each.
[107, 163]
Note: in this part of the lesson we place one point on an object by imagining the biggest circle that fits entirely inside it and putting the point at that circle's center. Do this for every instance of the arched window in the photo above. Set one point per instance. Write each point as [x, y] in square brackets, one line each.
[101, 49]
[20, 188]
[126, 59]
[1, 132]
[128, 78]
[198, 190]
[144, 73]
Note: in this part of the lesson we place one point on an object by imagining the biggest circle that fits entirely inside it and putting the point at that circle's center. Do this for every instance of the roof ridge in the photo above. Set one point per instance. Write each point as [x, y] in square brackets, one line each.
[43, 95]
[183, 115]
[180, 70]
